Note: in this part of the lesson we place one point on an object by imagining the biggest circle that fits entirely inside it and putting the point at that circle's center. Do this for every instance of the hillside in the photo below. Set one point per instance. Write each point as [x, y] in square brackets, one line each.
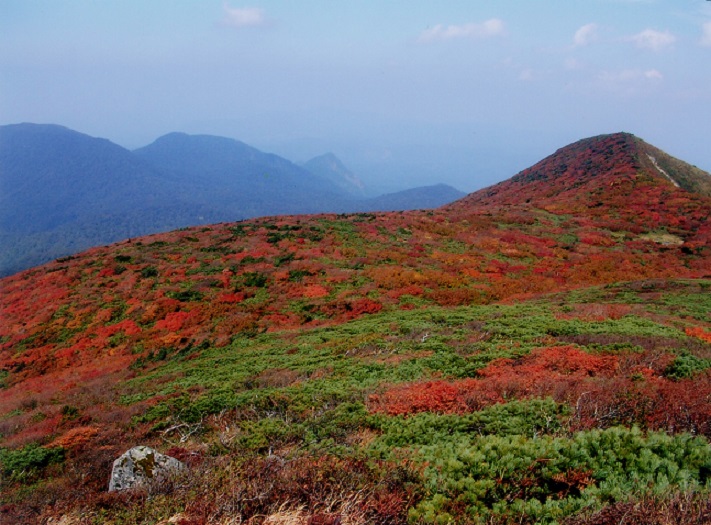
[426, 197]
[62, 191]
[536, 352]
[53, 176]
[240, 178]
[583, 173]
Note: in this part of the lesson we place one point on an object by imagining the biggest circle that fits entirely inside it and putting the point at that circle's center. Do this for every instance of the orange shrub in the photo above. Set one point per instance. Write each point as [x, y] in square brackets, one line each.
[314, 291]
[699, 333]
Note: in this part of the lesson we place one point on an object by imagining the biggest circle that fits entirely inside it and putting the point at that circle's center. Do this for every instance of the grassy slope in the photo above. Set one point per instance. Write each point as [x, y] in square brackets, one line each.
[547, 390]
[467, 364]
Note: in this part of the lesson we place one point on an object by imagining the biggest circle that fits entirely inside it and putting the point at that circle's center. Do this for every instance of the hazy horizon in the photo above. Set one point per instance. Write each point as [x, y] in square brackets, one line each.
[404, 93]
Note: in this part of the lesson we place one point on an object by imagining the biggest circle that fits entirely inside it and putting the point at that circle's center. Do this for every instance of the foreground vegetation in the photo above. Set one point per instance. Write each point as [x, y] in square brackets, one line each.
[550, 410]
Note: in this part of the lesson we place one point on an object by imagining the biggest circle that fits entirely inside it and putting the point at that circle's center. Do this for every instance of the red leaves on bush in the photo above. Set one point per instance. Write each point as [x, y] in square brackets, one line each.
[699, 333]
[173, 321]
[652, 403]
[76, 438]
[432, 396]
[457, 296]
[230, 298]
[413, 289]
[599, 392]
[543, 372]
[127, 326]
[314, 291]
[363, 306]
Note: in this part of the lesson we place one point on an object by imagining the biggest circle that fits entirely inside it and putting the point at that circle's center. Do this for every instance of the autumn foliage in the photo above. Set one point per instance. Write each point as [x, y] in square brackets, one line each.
[279, 338]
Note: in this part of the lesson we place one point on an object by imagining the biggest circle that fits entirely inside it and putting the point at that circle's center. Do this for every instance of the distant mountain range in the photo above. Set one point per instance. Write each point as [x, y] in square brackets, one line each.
[62, 191]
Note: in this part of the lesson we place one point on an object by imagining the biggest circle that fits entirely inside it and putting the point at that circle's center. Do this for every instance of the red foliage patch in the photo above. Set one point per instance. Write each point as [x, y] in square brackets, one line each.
[599, 391]
[596, 312]
[432, 396]
[75, 438]
[414, 290]
[314, 291]
[230, 297]
[545, 371]
[173, 321]
[363, 306]
[699, 333]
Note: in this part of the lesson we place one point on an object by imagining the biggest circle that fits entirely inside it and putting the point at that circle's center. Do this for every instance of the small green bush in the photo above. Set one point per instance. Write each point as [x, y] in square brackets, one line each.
[149, 271]
[256, 279]
[24, 464]
[186, 295]
[685, 366]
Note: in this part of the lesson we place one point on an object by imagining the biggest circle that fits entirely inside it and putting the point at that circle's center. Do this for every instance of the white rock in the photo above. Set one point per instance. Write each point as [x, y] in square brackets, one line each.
[140, 465]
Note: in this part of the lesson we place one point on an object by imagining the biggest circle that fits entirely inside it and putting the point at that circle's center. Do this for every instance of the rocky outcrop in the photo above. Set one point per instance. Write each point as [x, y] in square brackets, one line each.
[141, 465]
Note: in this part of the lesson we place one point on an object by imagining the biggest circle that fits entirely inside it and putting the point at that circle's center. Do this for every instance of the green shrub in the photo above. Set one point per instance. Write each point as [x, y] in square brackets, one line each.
[283, 259]
[525, 418]
[25, 464]
[685, 366]
[543, 479]
[186, 295]
[298, 275]
[255, 279]
[149, 271]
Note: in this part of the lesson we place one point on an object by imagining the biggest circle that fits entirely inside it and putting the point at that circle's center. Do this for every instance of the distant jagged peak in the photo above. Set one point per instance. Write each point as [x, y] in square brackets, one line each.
[327, 158]
[331, 168]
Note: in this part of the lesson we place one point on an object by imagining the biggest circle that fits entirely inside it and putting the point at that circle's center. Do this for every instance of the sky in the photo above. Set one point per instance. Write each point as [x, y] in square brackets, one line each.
[404, 92]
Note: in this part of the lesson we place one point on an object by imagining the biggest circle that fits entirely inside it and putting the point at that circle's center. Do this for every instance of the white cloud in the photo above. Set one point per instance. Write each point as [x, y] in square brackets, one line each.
[243, 16]
[627, 79]
[585, 35]
[572, 63]
[706, 35]
[490, 28]
[654, 40]
[526, 75]
[628, 82]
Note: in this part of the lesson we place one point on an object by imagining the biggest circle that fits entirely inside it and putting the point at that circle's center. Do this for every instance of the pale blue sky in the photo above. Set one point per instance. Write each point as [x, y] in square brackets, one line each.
[406, 92]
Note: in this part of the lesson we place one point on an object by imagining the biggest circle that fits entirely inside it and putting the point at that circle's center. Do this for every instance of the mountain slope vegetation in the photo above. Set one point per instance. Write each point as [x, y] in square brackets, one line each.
[537, 352]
